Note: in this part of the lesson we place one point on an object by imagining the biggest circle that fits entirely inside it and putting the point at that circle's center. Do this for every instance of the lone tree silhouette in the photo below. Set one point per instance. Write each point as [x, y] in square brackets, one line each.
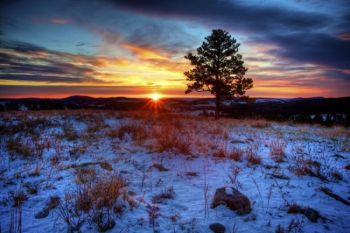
[218, 69]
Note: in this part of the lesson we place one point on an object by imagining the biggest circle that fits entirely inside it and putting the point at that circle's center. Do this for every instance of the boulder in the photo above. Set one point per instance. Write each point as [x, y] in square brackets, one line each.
[233, 199]
[217, 228]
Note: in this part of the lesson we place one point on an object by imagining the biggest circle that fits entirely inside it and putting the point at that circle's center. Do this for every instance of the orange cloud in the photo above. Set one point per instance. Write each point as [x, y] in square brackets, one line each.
[59, 21]
[144, 53]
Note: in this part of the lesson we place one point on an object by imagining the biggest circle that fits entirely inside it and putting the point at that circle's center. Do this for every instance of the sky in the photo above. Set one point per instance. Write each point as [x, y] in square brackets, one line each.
[54, 49]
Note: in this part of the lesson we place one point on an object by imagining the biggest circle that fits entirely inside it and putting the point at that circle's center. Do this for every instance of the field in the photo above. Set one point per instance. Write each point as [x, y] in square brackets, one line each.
[89, 171]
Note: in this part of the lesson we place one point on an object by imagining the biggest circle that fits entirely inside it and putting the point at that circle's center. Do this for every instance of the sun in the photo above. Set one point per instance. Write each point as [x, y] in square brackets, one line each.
[155, 96]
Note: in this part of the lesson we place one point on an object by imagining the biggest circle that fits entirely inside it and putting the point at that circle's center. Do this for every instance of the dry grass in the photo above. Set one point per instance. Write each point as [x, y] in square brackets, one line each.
[77, 150]
[252, 156]
[18, 198]
[17, 147]
[100, 194]
[137, 132]
[85, 175]
[236, 154]
[165, 194]
[92, 201]
[277, 150]
[260, 124]
[171, 137]
[69, 133]
[27, 147]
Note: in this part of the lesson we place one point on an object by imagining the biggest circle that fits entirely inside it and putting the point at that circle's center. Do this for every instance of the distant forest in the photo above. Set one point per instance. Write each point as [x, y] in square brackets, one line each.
[324, 111]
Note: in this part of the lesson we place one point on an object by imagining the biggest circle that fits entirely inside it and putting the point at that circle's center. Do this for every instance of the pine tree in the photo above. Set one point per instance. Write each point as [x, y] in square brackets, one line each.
[218, 68]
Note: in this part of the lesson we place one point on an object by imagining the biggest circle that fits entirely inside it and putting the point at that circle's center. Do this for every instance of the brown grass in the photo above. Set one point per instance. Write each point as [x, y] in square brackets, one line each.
[251, 155]
[278, 150]
[236, 154]
[26, 148]
[169, 137]
[100, 194]
[165, 194]
[137, 132]
[85, 175]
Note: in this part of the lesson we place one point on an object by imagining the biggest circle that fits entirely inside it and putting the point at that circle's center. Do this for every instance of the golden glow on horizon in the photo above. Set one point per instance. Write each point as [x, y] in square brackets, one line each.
[156, 96]
[151, 69]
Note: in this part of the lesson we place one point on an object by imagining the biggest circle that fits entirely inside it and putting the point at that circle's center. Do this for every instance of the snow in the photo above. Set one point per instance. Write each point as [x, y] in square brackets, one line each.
[186, 211]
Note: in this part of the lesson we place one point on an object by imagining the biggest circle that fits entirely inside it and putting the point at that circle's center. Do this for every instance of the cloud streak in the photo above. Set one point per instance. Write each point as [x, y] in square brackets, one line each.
[297, 32]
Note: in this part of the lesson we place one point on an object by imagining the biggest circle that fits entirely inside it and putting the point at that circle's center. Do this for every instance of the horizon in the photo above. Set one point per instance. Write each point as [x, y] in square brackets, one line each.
[116, 48]
[148, 96]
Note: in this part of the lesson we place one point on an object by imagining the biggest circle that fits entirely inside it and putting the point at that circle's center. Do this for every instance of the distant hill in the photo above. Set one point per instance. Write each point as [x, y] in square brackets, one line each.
[308, 110]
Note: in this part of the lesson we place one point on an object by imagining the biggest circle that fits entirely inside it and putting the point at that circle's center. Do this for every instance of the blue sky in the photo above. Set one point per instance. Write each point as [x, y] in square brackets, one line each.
[292, 48]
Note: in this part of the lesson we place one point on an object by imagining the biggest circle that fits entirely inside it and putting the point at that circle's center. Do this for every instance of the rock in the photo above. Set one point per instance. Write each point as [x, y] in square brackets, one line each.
[191, 174]
[339, 156]
[311, 214]
[160, 167]
[236, 141]
[107, 166]
[217, 228]
[279, 176]
[42, 214]
[233, 199]
[52, 203]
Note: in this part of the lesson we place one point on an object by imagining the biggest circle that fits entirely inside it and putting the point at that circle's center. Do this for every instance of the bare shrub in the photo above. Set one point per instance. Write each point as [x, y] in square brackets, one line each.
[233, 176]
[153, 215]
[277, 150]
[69, 213]
[94, 200]
[102, 193]
[18, 198]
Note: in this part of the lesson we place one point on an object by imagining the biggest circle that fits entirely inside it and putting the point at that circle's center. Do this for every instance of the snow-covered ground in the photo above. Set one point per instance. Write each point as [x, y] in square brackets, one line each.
[172, 166]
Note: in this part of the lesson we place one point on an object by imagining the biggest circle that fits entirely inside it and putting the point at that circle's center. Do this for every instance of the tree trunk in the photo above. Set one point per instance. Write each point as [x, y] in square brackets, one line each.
[217, 106]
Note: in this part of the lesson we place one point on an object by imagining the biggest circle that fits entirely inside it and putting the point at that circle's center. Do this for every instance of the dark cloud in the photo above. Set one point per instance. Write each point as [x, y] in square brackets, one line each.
[48, 78]
[338, 74]
[297, 32]
[64, 91]
[316, 48]
[27, 62]
[258, 18]
[20, 46]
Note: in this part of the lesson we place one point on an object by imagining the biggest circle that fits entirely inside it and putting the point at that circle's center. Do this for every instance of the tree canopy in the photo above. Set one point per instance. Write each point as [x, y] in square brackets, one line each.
[218, 68]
